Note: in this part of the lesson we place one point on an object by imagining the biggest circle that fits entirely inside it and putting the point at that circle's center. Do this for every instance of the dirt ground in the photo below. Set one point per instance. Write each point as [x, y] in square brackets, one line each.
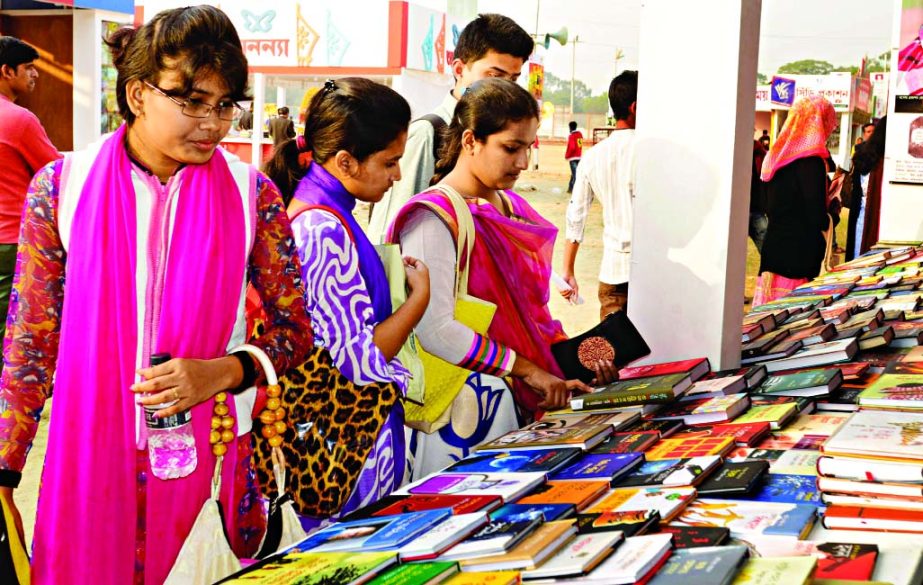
[546, 191]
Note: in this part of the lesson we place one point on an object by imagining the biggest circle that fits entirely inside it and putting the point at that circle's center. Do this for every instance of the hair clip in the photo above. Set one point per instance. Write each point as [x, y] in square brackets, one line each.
[300, 143]
[329, 85]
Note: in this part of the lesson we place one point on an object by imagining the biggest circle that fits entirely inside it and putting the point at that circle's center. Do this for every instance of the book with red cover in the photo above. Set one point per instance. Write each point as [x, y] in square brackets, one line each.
[391, 505]
[695, 367]
[847, 561]
[878, 519]
[745, 435]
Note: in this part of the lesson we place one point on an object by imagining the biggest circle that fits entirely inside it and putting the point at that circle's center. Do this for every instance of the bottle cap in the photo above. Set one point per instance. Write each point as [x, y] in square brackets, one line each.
[160, 358]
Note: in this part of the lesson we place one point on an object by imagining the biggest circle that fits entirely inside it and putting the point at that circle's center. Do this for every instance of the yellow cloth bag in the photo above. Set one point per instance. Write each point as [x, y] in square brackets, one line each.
[445, 380]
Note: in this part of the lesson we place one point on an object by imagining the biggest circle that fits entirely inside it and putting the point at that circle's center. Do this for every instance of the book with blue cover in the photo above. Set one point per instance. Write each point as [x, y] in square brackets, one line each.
[787, 488]
[519, 512]
[608, 466]
[371, 534]
[522, 461]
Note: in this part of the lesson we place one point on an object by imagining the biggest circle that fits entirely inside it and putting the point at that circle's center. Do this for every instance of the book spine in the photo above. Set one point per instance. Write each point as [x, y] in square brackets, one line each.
[633, 399]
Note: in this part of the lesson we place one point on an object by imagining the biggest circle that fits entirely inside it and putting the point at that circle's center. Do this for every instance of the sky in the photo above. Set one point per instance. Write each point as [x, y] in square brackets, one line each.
[838, 31]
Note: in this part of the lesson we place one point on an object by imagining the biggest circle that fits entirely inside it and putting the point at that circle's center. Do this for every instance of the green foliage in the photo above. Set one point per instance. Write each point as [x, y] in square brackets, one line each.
[807, 67]
[557, 91]
[761, 79]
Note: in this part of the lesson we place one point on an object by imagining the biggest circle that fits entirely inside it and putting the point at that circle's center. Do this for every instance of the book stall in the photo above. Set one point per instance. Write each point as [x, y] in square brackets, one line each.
[803, 466]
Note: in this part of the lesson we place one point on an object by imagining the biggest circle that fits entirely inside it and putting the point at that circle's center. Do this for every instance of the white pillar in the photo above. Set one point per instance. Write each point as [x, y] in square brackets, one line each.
[842, 157]
[87, 65]
[280, 99]
[259, 100]
[691, 208]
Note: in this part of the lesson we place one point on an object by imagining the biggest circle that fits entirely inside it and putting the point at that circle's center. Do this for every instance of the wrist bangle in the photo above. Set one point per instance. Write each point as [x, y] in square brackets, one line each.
[249, 368]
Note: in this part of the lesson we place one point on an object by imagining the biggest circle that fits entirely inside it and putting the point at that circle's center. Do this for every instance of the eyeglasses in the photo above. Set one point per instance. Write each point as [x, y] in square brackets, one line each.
[227, 111]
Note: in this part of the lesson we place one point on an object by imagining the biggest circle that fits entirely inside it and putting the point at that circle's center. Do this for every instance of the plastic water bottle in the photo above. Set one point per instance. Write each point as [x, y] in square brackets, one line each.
[170, 441]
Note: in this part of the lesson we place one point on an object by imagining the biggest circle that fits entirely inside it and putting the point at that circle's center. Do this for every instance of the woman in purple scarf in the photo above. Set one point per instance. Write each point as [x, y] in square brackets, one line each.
[355, 132]
[143, 244]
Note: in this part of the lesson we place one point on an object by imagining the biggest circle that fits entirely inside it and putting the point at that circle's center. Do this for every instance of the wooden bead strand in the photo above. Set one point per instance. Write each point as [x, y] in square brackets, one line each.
[222, 425]
[273, 416]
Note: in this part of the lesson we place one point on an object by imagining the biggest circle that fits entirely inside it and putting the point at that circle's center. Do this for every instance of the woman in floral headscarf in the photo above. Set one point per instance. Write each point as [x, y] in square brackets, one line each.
[796, 171]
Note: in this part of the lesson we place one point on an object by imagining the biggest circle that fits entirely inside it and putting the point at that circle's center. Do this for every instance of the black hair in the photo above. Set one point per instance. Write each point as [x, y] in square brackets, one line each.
[493, 32]
[486, 108]
[623, 91]
[864, 126]
[872, 150]
[572, 126]
[352, 114]
[283, 111]
[14, 52]
[190, 40]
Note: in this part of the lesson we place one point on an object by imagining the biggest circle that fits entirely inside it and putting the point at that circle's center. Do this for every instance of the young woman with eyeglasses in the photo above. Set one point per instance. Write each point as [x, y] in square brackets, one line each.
[143, 244]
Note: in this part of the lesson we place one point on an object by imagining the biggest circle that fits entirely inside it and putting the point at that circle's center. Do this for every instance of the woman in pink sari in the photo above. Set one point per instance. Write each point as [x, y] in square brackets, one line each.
[485, 149]
[158, 233]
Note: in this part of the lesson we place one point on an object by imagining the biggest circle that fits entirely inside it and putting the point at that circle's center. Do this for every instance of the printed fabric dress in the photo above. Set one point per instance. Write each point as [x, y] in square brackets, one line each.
[338, 263]
[103, 518]
[510, 267]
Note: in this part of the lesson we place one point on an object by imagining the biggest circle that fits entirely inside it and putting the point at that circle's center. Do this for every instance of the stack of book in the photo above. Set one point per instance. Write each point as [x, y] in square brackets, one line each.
[678, 474]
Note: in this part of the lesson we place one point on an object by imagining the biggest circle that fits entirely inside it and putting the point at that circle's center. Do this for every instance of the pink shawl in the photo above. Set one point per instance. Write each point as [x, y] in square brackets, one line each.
[805, 133]
[103, 518]
[511, 267]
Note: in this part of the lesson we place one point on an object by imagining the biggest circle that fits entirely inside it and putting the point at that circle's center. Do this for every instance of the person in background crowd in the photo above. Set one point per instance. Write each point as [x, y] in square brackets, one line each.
[796, 172]
[607, 172]
[758, 220]
[24, 149]
[154, 228]
[492, 45]
[865, 203]
[764, 140]
[281, 127]
[573, 153]
[355, 131]
[486, 149]
[246, 119]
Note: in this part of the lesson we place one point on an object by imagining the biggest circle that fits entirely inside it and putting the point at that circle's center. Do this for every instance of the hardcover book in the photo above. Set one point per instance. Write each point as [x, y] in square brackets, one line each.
[680, 448]
[416, 574]
[628, 442]
[705, 410]
[607, 466]
[664, 427]
[749, 521]
[805, 383]
[549, 438]
[578, 557]
[634, 561]
[734, 478]
[712, 387]
[543, 542]
[627, 523]
[315, 568]
[881, 434]
[848, 561]
[372, 534]
[894, 390]
[522, 461]
[496, 537]
[508, 486]
[484, 578]
[820, 354]
[787, 488]
[696, 368]
[770, 571]
[617, 419]
[667, 501]
[616, 340]
[442, 536]
[777, 415]
[744, 435]
[716, 565]
[578, 493]
[658, 389]
[671, 472]
[392, 505]
[880, 519]
[545, 512]
[696, 536]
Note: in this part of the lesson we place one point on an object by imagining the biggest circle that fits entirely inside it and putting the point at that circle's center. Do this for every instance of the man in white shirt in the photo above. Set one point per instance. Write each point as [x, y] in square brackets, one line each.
[607, 171]
[492, 45]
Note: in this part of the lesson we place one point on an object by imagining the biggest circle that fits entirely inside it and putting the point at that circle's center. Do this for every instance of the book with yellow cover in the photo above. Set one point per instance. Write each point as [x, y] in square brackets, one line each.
[531, 552]
[314, 568]
[684, 447]
[485, 578]
[776, 570]
[669, 502]
[777, 415]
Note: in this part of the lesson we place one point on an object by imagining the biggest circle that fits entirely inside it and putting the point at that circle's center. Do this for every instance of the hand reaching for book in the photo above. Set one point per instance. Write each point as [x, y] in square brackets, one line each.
[606, 373]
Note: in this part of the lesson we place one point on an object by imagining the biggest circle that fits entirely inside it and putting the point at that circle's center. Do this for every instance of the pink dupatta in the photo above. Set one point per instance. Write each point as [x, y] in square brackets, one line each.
[103, 518]
[511, 267]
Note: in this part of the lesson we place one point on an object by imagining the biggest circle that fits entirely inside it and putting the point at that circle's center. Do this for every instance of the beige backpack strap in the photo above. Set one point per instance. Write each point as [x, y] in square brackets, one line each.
[466, 235]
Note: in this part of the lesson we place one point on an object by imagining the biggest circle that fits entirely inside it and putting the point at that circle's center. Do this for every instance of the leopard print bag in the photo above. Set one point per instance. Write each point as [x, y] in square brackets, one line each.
[333, 426]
